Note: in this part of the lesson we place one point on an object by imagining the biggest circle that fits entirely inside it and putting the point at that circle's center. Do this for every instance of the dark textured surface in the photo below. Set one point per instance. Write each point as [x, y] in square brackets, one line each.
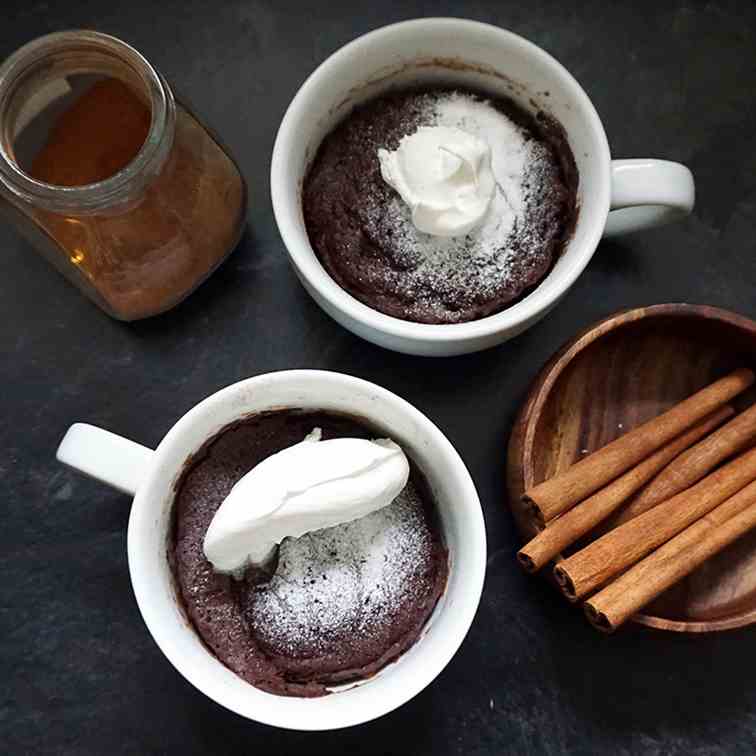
[80, 674]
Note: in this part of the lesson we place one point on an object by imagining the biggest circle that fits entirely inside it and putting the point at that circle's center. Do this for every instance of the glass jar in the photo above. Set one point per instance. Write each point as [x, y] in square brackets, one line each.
[135, 232]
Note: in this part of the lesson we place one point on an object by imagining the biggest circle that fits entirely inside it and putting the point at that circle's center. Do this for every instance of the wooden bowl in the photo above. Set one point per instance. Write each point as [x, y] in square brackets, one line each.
[613, 376]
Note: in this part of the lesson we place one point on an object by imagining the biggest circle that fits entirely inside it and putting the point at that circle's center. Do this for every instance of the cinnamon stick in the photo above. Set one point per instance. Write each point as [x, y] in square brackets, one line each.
[556, 495]
[694, 464]
[622, 547]
[610, 607]
[567, 528]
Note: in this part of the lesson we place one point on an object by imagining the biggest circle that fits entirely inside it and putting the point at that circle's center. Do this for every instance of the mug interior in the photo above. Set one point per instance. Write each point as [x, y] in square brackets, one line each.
[461, 523]
[457, 53]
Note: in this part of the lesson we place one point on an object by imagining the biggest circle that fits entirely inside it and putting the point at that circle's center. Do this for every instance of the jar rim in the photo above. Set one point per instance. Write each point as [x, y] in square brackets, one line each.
[115, 188]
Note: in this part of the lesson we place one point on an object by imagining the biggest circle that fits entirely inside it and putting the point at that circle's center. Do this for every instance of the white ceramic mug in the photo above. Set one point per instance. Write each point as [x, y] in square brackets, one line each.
[615, 196]
[150, 477]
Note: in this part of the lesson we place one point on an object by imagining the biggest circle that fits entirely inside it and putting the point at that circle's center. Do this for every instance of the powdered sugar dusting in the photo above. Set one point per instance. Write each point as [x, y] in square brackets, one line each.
[510, 157]
[511, 242]
[334, 583]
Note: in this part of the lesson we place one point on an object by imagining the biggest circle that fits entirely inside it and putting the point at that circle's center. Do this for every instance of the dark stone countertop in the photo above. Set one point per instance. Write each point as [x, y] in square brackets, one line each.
[80, 673]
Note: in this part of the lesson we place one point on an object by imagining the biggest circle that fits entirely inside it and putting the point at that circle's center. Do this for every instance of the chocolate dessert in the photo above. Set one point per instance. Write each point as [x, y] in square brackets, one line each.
[337, 604]
[363, 233]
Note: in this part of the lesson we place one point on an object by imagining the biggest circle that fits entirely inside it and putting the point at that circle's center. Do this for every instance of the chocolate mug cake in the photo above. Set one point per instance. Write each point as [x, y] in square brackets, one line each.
[337, 604]
[440, 205]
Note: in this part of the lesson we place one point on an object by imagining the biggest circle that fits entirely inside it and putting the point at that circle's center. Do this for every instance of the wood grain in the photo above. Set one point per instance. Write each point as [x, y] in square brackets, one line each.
[613, 376]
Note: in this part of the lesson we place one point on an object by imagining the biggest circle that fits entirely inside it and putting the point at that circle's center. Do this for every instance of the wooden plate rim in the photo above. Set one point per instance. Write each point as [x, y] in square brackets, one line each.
[521, 443]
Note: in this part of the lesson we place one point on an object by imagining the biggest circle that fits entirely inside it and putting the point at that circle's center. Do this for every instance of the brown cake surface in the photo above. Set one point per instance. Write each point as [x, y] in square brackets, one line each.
[363, 235]
[342, 602]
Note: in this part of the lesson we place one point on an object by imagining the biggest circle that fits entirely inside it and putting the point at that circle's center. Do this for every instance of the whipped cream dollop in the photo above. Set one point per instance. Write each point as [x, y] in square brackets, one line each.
[308, 486]
[444, 175]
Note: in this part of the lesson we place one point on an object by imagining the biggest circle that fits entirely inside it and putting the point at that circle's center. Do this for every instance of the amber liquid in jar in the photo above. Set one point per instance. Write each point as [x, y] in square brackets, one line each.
[99, 134]
[152, 241]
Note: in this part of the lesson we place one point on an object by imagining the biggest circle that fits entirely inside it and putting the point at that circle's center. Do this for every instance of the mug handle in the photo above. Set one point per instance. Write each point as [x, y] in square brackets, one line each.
[103, 455]
[647, 193]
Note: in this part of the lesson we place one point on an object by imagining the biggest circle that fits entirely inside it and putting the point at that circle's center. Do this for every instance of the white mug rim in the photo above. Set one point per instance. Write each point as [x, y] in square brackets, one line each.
[281, 713]
[286, 208]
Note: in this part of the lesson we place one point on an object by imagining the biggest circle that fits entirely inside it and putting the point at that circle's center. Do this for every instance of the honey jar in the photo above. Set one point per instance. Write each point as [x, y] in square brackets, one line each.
[115, 181]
